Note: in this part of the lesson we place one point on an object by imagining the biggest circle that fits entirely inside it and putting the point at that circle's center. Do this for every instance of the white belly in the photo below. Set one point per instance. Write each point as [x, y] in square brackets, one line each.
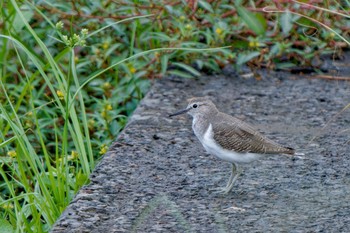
[226, 155]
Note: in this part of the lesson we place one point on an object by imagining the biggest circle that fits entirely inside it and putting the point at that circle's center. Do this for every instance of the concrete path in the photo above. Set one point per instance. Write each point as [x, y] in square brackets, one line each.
[158, 178]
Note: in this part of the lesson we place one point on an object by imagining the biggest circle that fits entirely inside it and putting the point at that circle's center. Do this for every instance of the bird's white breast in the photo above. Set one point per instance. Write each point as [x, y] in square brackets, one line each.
[196, 128]
[214, 148]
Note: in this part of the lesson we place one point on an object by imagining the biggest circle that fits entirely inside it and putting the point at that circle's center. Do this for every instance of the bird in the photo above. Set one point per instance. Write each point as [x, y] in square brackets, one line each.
[229, 138]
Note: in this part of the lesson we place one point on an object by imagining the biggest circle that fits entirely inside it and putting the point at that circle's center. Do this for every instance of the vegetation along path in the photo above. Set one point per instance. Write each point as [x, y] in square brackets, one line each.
[158, 178]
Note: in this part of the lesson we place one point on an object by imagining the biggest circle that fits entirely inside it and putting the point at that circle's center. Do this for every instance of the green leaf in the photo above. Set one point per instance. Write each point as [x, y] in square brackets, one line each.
[5, 226]
[6, 160]
[206, 5]
[306, 22]
[275, 49]
[212, 64]
[284, 65]
[169, 8]
[81, 179]
[286, 22]
[256, 22]
[180, 73]
[243, 58]
[18, 24]
[8, 141]
[240, 44]
[187, 68]
[199, 64]
[112, 49]
[159, 36]
[164, 63]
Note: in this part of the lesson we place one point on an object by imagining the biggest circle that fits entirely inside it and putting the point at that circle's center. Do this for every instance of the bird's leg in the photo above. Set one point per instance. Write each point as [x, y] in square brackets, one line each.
[236, 172]
[233, 171]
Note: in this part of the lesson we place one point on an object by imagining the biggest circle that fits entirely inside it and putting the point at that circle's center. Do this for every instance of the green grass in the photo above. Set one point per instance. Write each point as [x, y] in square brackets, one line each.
[70, 79]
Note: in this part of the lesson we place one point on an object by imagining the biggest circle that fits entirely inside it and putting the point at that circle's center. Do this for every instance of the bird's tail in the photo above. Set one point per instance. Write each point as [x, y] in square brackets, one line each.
[289, 151]
[292, 152]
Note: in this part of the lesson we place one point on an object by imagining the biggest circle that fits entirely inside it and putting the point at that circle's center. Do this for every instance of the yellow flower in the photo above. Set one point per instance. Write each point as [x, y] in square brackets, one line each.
[254, 44]
[188, 26]
[132, 70]
[12, 153]
[103, 149]
[74, 155]
[109, 107]
[7, 206]
[60, 94]
[182, 18]
[219, 31]
[106, 85]
[105, 45]
[91, 123]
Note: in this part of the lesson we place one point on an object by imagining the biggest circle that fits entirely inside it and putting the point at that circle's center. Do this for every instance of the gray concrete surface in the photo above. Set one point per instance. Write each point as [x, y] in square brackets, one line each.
[158, 178]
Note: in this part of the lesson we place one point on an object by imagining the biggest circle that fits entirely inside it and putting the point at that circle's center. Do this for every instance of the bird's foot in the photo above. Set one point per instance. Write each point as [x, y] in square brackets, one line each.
[220, 190]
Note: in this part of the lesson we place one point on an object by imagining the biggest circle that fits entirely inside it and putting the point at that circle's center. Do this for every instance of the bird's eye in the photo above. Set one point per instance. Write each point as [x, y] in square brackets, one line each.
[194, 105]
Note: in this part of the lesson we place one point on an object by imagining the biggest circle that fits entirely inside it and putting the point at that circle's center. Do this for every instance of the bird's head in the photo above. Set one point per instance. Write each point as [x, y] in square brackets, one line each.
[198, 106]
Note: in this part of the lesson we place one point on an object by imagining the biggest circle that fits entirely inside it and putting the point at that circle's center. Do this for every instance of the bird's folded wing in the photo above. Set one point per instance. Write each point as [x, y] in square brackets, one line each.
[242, 137]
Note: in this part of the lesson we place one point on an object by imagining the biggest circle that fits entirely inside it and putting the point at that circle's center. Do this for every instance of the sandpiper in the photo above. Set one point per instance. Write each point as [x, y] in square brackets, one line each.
[229, 138]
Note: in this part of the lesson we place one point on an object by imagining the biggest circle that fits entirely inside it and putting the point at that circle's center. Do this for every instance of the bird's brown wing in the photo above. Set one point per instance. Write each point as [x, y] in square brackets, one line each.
[241, 137]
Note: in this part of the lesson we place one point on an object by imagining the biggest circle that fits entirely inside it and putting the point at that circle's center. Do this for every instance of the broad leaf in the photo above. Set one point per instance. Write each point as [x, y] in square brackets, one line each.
[180, 73]
[27, 12]
[187, 68]
[286, 22]
[5, 226]
[256, 22]
[206, 5]
[243, 58]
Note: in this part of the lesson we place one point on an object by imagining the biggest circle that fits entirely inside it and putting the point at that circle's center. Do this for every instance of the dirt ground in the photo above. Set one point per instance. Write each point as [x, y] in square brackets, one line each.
[158, 178]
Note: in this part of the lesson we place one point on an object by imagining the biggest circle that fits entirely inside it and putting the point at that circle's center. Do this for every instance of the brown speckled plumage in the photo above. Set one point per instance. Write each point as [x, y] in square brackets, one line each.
[234, 134]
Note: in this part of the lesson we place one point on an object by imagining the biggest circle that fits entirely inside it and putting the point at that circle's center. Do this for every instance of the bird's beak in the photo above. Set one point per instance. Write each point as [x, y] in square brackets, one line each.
[180, 112]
